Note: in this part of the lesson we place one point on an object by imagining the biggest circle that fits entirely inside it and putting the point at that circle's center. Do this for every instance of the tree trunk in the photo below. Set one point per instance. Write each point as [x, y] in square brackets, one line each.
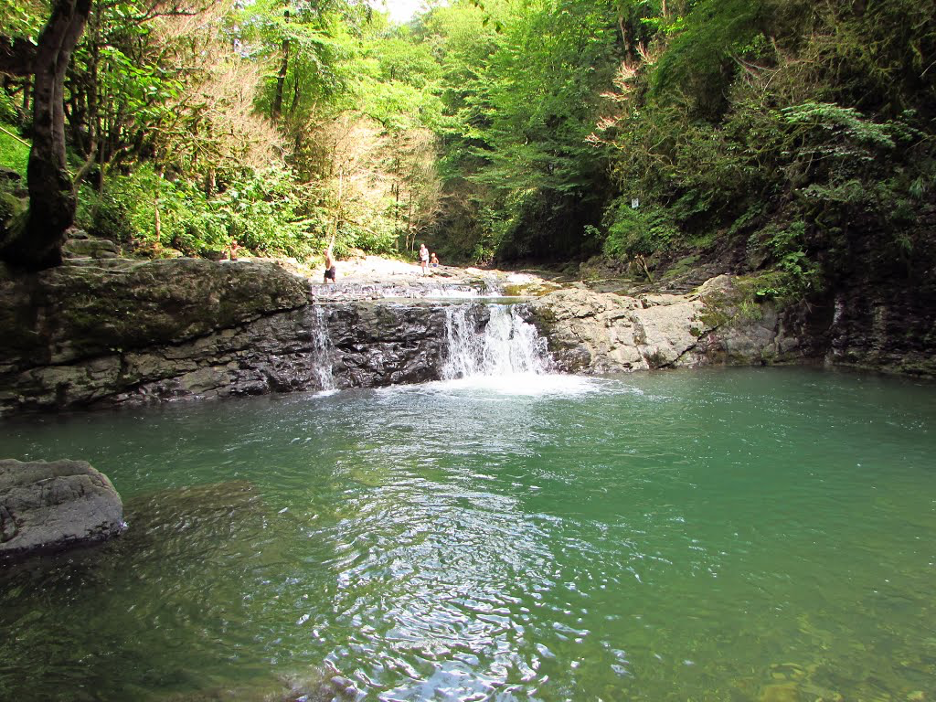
[277, 107]
[51, 191]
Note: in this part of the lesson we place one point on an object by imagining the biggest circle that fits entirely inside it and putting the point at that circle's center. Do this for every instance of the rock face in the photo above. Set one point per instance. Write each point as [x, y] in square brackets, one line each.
[101, 332]
[884, 326]
[113, 332]
[604, 332]
[51, 506]
[376, 344]
[90, 310]
[82, 333]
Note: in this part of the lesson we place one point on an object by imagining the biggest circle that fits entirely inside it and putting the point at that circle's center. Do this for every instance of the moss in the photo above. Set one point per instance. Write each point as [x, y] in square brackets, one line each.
[683, 266]
[742, 302]
[535, 289]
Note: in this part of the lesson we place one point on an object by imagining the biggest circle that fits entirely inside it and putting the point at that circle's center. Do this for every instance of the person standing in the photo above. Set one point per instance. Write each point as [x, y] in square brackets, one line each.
[424, 258]
[330, 268]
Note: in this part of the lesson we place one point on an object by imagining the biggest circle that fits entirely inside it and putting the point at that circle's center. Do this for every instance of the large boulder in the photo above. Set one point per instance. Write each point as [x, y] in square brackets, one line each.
[599, 332]
[92, 329]
[98, 307]
[51, 506]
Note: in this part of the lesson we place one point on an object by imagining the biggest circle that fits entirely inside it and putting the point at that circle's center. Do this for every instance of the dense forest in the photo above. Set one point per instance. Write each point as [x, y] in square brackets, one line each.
[792, 140]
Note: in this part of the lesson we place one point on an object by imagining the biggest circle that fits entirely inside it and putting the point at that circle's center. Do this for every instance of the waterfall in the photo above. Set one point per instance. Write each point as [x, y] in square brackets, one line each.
[507, 345]
[322, 350]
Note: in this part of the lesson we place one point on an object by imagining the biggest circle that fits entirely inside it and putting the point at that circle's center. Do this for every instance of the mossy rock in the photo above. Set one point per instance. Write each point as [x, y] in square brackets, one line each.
[731, 300]
[682, 267]
[537, 289]
[76, 311]
[88, 247]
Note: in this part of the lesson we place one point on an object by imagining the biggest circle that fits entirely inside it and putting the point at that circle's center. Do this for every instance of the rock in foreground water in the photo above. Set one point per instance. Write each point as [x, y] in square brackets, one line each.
[52, 506]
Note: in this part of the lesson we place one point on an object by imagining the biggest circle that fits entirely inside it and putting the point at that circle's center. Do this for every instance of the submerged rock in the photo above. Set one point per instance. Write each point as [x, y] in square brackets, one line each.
[51, 506]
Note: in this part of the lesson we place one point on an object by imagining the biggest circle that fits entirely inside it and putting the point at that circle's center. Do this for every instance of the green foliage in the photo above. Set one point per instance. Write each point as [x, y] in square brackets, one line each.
[633, 231]
[836, 121]
[787, 247]
[303, 46]
[8, 110]
[698, 62]
[802, 131]
[21, 17]
[14, 153]
[520, 83]
[262, 213]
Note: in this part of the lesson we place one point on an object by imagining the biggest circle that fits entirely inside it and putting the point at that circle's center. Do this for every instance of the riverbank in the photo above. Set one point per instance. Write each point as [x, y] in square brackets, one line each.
[103, 331]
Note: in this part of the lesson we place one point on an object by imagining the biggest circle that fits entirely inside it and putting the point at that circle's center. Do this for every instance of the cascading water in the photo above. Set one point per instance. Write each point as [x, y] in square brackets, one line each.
[507, 345]
[323, 349]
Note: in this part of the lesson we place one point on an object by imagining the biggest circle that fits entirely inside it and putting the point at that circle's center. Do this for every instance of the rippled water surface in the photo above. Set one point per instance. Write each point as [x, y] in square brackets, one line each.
[719, 535]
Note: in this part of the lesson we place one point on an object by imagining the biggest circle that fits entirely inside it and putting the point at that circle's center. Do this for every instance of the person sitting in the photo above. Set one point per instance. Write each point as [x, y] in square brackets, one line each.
[434, 260]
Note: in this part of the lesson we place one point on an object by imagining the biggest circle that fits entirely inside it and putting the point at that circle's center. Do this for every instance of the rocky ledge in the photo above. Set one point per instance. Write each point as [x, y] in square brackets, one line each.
[46, 507]
[101, 332]
[595, 332]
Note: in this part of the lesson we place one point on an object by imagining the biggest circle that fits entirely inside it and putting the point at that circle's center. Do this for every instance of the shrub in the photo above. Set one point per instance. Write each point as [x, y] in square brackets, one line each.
[633, 231]
[261, 212]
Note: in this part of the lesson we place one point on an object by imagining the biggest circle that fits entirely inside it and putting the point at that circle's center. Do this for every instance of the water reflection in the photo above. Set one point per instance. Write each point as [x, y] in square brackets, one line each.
[452, 556]
[713, 536]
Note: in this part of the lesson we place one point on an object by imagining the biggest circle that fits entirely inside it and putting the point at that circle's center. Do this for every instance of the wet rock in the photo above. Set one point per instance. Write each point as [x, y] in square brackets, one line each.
[52, 506]
[76, 311]
[93, 329]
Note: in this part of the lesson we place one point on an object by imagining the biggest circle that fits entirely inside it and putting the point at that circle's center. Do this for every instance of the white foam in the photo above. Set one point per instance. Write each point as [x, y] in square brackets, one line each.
[526, 384]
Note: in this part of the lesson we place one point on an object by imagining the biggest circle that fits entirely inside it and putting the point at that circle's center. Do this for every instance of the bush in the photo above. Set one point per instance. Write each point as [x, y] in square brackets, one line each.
[632, 231]
[261, 212]
[794, 273]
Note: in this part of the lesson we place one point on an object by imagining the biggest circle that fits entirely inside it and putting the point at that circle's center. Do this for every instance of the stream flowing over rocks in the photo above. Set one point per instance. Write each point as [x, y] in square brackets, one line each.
[109, 332]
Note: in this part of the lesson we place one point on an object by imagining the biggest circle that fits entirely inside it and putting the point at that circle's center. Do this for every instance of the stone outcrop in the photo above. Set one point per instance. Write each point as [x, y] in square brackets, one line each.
[113, 332]
[101, 332]
[882, 325]
[85, 331]
[598, 332]
[91, 309]
[47, 507]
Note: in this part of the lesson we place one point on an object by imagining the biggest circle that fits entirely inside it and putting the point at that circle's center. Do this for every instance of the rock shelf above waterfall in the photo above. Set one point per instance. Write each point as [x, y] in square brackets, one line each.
[373, 278]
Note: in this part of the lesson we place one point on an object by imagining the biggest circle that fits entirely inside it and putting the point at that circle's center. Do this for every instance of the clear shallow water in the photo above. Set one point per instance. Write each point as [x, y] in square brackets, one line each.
[708, 535]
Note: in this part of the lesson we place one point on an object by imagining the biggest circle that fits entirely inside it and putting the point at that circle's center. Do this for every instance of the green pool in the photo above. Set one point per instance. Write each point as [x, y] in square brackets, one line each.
[763, 534]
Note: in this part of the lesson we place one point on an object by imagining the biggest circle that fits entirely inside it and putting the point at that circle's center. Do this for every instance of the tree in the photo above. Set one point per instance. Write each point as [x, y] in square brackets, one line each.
[522, 84]
[52, 202]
